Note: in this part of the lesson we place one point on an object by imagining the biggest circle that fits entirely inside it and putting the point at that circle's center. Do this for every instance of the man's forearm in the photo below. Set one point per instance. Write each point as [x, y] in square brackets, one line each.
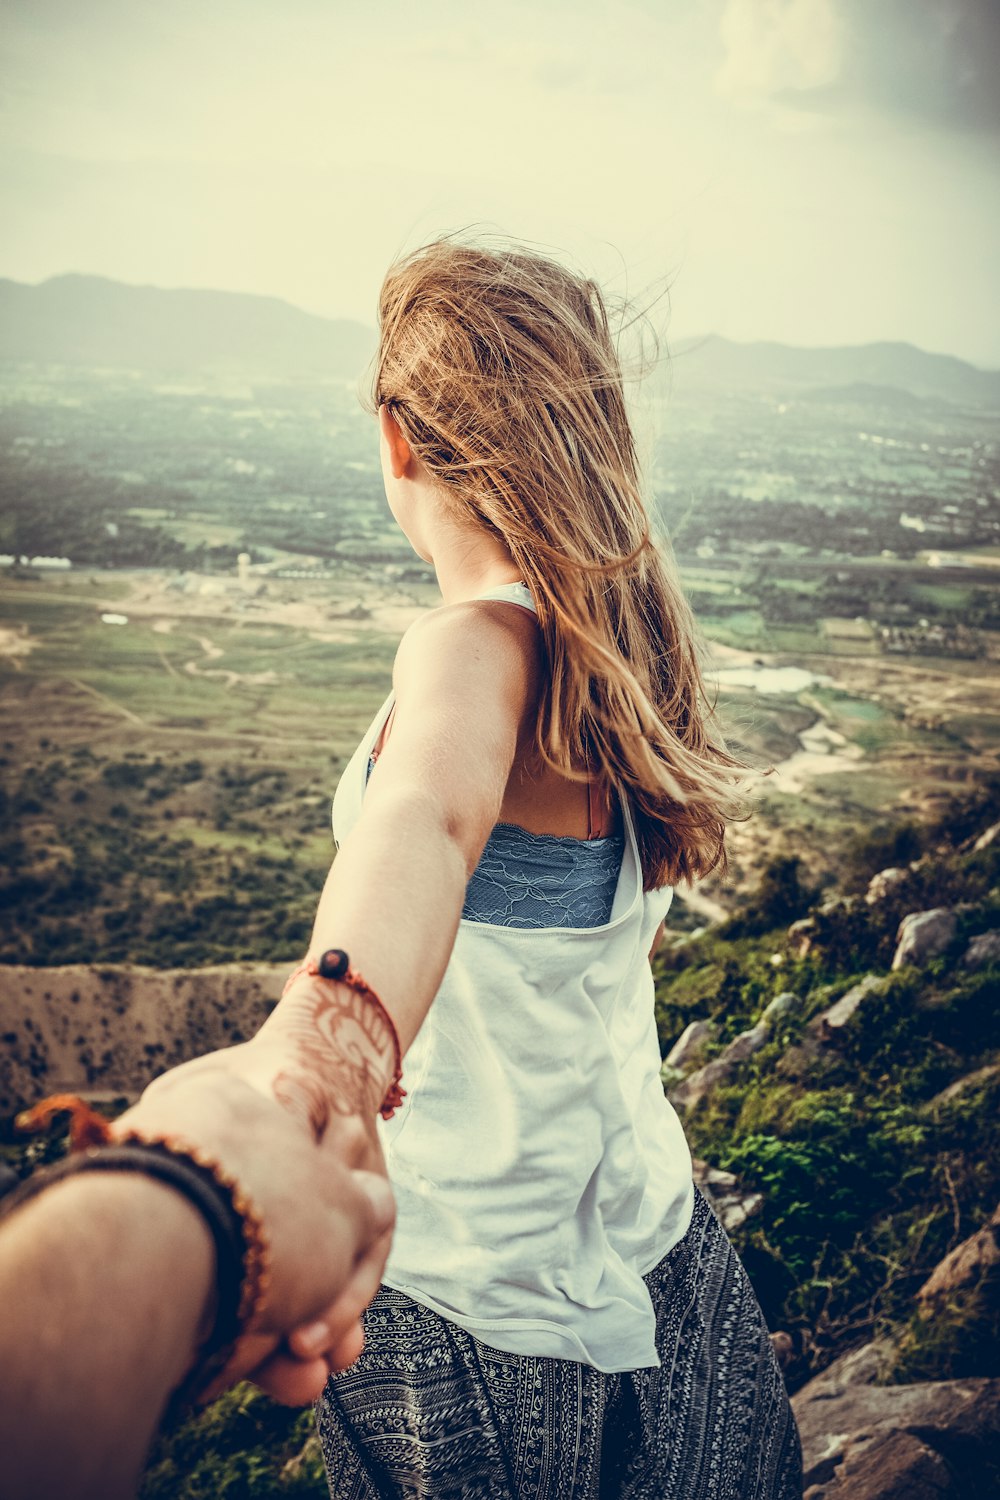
[104, 1284]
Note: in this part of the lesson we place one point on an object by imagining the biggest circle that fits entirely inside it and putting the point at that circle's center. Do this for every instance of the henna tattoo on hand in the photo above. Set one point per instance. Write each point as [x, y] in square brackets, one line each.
[342, 1053]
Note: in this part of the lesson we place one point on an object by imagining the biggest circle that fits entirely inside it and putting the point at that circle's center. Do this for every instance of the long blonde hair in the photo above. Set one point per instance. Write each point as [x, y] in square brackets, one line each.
[499, 366]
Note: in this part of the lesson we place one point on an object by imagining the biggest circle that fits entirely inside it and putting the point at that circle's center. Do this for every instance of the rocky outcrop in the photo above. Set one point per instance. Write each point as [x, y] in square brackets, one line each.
[862, 1441]
[922, 935]
[110, 1030]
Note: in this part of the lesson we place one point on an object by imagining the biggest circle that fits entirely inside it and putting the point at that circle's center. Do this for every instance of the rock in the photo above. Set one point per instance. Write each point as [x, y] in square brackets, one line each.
[746, 1044]
[983, 949]
[964, 1085]
[863, 1366]
[923, 935]
[896, 1466]
[801, 936]
[778, 1007]
[881, 884]
[690, 1042]
[973, 1262]
[691, 1090]
[959, 1419]
[732, 1203]
[825, 1026]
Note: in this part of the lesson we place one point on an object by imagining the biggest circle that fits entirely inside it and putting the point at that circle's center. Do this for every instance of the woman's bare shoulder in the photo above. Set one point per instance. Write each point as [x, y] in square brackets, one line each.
[475, 637]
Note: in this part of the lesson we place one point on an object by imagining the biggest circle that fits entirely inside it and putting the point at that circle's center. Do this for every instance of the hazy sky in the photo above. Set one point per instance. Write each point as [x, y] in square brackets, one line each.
[813, 171]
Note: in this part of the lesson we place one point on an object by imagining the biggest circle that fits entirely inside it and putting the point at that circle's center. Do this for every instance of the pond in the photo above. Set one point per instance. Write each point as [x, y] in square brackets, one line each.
[768, 679]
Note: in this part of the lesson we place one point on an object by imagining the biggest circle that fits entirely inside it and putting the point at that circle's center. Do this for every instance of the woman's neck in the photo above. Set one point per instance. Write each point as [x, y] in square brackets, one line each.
[469, 562]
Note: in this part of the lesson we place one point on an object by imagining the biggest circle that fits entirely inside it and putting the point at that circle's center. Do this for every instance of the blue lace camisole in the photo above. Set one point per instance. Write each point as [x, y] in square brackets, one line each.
[542, 880]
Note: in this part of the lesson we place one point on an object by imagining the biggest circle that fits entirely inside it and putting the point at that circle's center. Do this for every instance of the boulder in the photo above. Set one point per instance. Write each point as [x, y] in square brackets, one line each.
[839, 1419]
[983, 949]
[972, 1263]
[881, 884]
[692, 1089]
[746, 1044]
[866, 1365]
[922, 935]
[894, 1466]
[690, 1042]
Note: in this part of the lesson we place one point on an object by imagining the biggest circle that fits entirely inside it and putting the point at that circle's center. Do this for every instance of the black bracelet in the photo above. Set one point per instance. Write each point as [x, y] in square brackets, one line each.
[212, 1199]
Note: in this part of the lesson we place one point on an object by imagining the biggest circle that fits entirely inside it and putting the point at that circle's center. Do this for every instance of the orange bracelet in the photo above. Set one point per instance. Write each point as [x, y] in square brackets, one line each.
[335, 966]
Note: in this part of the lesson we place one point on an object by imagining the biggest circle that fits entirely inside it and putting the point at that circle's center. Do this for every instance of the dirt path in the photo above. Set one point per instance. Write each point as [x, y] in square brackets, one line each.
[119, 708]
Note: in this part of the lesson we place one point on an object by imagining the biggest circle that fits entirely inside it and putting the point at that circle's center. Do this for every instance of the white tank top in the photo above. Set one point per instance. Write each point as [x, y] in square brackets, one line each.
[539, 1170]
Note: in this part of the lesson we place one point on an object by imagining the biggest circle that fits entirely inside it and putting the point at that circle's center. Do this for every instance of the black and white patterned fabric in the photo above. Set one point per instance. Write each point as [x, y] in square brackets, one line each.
[428, 1412]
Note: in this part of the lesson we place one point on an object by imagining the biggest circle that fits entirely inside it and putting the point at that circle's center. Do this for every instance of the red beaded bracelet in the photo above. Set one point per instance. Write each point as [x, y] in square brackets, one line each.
[335, 966]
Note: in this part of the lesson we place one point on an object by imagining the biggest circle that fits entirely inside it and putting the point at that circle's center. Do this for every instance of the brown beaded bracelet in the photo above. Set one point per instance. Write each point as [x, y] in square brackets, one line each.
[335, 966]
[242, 1264]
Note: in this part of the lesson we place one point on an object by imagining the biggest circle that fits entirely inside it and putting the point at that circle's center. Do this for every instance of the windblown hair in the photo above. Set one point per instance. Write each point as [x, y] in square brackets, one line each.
[500, 368]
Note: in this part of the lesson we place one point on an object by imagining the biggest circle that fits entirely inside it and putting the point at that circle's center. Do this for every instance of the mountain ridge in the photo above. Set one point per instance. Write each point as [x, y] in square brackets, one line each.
[77, 318]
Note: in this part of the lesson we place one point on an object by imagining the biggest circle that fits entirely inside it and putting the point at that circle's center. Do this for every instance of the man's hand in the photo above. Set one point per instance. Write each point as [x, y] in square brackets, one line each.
[325, 1204]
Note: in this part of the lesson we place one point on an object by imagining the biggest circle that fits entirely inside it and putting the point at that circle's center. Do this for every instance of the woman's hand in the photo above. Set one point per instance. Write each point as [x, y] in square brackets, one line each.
[324, 1201]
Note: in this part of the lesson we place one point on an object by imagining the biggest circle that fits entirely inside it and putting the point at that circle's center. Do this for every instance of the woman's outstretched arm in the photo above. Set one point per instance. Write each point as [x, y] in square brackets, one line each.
[465, 683]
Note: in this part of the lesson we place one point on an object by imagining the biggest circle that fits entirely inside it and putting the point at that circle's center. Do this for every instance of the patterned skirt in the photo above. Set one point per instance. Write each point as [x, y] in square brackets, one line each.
[430, 1411]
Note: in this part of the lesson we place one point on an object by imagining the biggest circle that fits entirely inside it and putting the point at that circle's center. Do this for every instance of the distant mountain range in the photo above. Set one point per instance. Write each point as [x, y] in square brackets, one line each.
[90, 320]
[851, 372]
[95, 322]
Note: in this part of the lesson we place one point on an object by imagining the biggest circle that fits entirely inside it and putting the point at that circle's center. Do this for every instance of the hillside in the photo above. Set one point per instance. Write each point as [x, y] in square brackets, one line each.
[108, 1030]
[92, 321]
[721, 364]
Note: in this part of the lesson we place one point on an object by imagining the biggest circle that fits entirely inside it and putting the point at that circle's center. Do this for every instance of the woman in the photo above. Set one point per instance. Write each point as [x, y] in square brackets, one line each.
[561, 1315]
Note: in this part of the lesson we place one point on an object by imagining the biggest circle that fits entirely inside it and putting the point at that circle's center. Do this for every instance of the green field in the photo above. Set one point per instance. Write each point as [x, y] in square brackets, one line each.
[195, 751]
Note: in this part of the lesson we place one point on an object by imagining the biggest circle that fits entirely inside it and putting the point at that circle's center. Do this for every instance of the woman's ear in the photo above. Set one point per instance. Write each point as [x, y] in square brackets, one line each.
[399, 450]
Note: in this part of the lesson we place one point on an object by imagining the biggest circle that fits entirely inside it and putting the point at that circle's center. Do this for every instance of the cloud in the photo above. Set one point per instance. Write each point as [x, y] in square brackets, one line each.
[935, 61]
[774, 45]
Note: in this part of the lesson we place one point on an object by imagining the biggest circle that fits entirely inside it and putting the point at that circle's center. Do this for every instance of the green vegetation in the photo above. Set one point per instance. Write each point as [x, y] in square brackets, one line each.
[869, 1177]
[241, 1447]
